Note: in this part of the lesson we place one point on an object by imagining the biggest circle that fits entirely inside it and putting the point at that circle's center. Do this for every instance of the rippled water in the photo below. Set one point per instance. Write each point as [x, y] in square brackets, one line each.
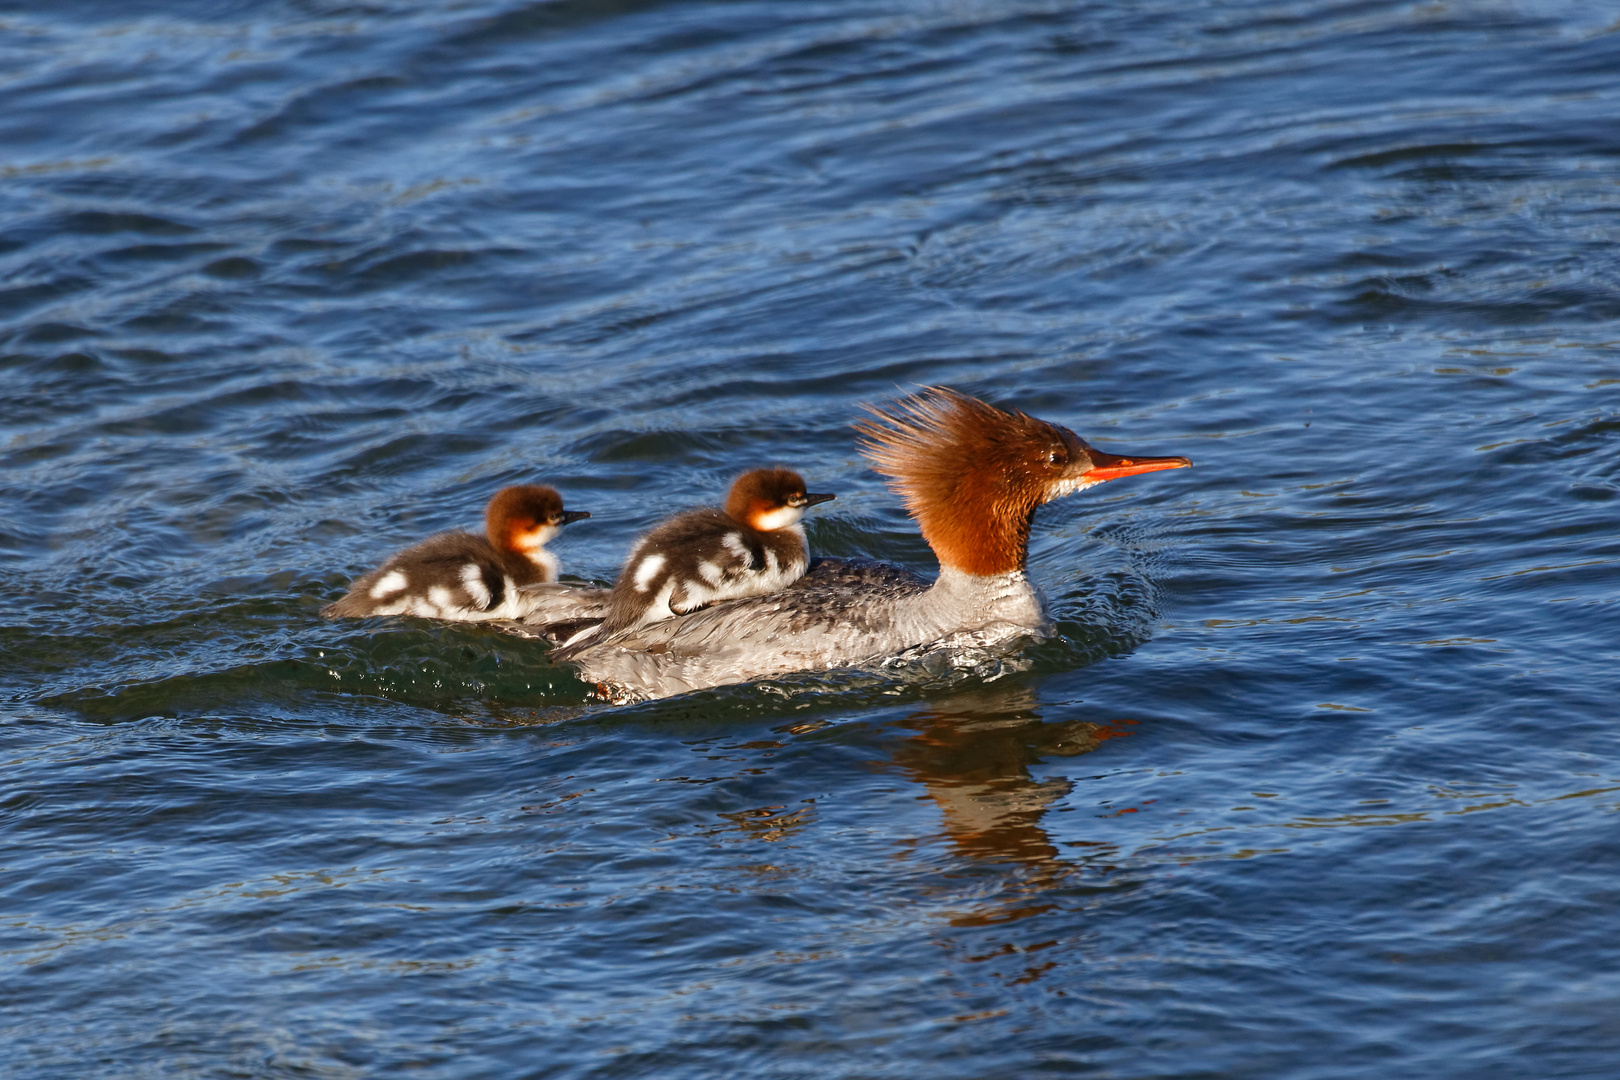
[1320, 781]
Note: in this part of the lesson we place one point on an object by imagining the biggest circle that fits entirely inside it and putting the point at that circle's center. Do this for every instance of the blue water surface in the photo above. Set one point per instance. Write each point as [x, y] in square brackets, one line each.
[1320, 780]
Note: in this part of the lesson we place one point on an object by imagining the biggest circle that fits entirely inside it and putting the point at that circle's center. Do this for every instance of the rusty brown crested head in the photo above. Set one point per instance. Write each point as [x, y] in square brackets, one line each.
[972, 475]
[525, 516]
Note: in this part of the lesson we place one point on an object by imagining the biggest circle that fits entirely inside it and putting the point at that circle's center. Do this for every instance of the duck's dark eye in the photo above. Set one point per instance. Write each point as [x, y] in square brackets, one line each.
[1052, 457]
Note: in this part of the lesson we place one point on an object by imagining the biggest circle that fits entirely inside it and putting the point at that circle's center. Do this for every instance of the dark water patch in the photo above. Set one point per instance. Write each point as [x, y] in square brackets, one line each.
[100, 223]
[233, 268]
[376, 661]
[22, 297]
[638, 445]
[52, 333]
[401, 454]
[161, 252]
[847, 535]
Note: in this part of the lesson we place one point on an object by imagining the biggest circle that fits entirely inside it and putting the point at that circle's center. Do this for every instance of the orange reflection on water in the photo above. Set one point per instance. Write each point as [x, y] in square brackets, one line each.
[972, 755]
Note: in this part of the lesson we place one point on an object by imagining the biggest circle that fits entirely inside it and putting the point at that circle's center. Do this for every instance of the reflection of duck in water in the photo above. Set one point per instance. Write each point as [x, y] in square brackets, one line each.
[972, 475]
[972, 754]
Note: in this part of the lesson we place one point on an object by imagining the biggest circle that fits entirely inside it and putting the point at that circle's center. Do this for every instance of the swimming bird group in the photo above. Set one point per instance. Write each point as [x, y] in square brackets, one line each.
[716, 596]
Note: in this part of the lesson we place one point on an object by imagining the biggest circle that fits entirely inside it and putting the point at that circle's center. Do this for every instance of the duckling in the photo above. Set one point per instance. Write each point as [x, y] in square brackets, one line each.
[464, 577]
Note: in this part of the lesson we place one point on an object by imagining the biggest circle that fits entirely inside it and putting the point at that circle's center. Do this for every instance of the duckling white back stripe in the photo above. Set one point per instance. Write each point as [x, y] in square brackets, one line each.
[472, 579]
[391, 582]
[649, 568]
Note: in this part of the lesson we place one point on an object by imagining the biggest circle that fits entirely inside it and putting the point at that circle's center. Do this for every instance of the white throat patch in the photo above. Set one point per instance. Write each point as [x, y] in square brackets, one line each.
[779, 518]
[538, 538]
[1059, 488]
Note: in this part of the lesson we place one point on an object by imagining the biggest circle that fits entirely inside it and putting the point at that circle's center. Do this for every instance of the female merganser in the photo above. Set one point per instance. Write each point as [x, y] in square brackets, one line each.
[700, 557]
[468, 578]
[972, 476]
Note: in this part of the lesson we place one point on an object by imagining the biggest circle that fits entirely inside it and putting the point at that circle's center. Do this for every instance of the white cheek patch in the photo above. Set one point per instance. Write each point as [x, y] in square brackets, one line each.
[472, 579]
[390, 583]
[649, 568]
[779, 518]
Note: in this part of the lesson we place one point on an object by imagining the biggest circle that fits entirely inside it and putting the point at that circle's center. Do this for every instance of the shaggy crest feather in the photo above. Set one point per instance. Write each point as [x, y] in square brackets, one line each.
[970, 474]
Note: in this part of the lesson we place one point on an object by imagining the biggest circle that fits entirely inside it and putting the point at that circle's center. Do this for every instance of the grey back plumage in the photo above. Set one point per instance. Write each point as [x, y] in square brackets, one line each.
[841, 613]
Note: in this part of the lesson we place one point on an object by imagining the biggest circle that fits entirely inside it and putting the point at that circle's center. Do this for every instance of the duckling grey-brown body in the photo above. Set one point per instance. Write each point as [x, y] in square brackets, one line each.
[464, 577]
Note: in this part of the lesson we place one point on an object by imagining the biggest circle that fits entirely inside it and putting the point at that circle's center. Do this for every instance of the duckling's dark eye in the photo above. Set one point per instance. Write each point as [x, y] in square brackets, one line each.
[1052, 457]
